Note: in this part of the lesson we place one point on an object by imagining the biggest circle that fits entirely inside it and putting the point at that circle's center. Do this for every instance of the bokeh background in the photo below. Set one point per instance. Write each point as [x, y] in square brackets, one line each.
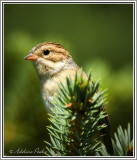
[98, 36]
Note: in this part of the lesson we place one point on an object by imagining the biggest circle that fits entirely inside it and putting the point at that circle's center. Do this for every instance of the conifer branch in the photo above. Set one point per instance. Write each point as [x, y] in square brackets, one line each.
[122, 143]
[75, 128]
[74, 122]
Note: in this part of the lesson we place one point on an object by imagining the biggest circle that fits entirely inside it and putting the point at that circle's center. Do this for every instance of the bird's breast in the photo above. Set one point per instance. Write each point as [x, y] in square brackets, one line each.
[49, 86]
[48, 90]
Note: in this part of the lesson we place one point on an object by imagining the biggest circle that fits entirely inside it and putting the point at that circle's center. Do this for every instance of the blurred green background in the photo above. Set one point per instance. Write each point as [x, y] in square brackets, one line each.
[98, 36]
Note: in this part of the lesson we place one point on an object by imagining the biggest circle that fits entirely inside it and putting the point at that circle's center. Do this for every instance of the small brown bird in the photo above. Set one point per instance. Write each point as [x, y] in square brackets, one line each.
[53, 64]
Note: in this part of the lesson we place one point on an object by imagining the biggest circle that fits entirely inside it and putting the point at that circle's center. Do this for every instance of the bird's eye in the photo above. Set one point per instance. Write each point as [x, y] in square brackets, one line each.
[46, 52]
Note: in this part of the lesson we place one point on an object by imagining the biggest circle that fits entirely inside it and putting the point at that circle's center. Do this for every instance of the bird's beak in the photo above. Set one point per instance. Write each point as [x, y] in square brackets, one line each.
[31, 57]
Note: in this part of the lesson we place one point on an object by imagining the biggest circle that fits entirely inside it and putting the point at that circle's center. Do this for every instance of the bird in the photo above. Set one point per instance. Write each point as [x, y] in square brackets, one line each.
[53, 63]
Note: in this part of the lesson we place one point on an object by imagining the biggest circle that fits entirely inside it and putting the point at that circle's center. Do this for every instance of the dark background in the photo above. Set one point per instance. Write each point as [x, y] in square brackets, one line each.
[98, 36]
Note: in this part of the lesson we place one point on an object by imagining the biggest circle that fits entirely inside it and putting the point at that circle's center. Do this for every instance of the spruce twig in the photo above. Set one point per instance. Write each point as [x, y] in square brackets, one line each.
[122, 145]
[74, 122]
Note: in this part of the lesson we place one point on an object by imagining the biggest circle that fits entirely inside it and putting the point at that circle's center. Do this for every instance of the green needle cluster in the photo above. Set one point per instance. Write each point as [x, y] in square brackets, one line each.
[75, 127]
[122, 143]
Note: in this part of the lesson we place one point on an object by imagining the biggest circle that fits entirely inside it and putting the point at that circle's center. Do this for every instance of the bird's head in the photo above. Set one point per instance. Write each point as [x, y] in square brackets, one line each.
[50, 58]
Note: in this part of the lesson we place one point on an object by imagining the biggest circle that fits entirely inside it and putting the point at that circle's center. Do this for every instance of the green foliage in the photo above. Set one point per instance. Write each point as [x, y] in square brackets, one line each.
[122, 145]
[74, 122]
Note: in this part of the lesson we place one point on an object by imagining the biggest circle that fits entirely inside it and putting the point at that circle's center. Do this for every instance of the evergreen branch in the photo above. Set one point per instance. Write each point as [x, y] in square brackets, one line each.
[75, 128]
[122, 145]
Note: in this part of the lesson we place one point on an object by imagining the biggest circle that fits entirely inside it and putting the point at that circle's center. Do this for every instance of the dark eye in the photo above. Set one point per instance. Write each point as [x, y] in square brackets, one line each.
[46, 52]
